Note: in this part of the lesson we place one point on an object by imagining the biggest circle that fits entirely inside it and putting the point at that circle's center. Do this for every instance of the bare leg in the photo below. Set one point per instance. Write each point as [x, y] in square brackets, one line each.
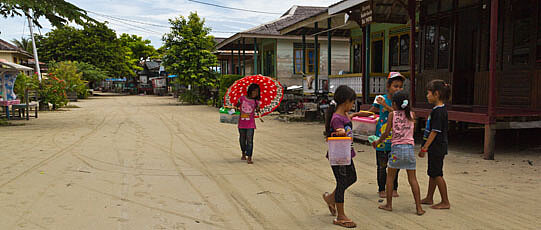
[342, 219]
[442, 187]
[429, 199]
[329, 199]
[391, 174]
[412, 179]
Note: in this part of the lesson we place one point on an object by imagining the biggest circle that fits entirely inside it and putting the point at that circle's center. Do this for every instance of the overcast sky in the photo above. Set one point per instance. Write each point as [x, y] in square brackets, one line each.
[159, 11]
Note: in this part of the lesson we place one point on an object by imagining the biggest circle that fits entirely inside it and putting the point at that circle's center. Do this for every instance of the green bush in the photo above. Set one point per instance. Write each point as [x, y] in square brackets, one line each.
[23, 83]
[68, 72]
[53, 91]
[224, 82]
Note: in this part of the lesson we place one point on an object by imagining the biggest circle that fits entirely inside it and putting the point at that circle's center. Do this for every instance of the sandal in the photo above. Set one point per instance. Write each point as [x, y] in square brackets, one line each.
[345, 223]
[332, 209]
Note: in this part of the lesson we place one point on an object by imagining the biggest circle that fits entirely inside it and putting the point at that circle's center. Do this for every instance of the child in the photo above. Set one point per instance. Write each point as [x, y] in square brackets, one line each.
[248, 106]
[338, 123]
[435, 142]
[395, 82]
[402, 121]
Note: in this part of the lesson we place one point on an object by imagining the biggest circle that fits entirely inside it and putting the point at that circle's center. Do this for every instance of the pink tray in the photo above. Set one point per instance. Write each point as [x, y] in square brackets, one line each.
[365, 120]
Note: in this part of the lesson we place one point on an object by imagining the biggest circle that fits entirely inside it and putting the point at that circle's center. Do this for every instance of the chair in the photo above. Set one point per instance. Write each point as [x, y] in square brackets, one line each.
[24, 109]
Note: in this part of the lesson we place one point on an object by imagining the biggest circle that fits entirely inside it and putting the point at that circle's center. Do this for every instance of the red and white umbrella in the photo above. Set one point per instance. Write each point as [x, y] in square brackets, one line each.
[271, 92]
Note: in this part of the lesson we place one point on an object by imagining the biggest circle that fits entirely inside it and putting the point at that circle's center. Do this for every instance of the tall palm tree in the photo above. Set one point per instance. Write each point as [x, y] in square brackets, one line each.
[24, 44]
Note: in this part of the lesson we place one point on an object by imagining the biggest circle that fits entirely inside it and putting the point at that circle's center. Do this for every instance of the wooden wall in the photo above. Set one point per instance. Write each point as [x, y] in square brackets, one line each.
[481, 88]
[536, 93]
[423, 78]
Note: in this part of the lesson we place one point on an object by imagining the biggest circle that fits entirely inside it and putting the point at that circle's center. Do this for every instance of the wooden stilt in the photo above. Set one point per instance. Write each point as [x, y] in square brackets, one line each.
[490, 142]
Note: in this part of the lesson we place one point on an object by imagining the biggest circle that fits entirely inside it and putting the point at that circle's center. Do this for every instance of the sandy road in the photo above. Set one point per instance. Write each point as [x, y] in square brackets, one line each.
[148, 163]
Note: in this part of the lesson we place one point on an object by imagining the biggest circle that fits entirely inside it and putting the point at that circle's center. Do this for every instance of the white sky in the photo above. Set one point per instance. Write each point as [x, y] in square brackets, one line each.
[159, 11]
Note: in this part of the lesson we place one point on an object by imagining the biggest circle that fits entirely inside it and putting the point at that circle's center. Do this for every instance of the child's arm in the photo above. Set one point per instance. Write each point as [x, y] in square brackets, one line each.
[428, 142]
[387, 131]
[368, 113]
[382, 102]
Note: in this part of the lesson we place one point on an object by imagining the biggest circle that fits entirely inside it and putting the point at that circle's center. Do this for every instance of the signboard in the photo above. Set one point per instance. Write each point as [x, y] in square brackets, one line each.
[366, 14]
[158, 82]
[143, 79]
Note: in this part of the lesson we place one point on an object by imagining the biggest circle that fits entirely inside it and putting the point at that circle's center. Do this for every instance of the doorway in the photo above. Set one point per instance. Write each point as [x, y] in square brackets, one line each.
[465, 58]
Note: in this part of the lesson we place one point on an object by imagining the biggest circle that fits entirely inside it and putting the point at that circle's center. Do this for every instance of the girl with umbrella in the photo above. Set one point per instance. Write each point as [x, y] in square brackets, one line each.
[249, 106]
[255, 96]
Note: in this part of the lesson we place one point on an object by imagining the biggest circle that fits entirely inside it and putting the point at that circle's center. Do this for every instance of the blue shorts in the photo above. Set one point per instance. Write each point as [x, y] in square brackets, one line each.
[402, 157]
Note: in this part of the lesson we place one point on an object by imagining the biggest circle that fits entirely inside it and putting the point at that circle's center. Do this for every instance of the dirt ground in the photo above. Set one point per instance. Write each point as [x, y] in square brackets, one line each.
[144, 162]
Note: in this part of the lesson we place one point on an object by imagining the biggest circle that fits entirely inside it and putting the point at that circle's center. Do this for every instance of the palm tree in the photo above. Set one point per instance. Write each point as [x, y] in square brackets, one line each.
[24, 44]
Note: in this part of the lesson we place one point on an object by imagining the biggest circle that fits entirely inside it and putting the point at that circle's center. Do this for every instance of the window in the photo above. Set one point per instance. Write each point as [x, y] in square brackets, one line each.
[430, 42]
[268, 68]
[399, 48]
[522, 21]
[443, 44]
[311, 61]
[404, 49]
[377, 56]
[357, 57]
[297, 58]
[394, 51]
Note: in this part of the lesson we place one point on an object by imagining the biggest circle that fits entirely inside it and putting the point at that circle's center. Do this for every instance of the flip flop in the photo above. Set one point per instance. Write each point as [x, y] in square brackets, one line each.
[345, 223]
[332, 210]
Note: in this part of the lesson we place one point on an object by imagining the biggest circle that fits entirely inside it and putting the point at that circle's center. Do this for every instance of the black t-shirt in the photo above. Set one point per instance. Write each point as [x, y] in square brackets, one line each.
[437, 121]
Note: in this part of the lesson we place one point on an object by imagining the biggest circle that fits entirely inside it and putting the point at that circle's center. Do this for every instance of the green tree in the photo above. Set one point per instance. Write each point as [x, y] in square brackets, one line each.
[91, 73]
[95, 44]
[57, 12]
[189, 52]
[24, 44]
[140, 49]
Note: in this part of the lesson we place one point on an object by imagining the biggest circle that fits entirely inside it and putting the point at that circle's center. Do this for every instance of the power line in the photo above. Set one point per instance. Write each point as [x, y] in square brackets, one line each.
[129, 20]
[134, 26]
[116, 18]
[131, 27]
[233, 8]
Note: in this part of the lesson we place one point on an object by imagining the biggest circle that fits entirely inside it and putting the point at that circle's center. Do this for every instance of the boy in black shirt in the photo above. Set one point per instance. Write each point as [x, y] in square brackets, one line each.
[435, 142]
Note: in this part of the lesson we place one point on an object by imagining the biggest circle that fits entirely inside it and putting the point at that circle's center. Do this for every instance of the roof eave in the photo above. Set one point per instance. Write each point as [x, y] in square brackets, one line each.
[343, 6]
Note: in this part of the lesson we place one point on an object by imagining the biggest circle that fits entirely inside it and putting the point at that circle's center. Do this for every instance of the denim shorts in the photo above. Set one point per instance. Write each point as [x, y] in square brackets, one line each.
[402, 157]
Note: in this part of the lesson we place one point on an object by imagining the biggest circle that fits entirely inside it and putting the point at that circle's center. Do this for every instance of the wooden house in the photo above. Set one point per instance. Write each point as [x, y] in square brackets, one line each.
[280, 56]
[488, 50]
[386, 49]
[13, 53]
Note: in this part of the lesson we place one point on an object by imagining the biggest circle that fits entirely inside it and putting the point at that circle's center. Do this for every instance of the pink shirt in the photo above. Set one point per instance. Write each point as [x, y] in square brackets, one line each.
[403, 129]
[247, 113]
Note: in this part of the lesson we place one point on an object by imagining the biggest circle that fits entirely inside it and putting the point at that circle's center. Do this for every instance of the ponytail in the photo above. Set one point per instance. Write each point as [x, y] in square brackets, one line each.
[342, 94]
[328, 117]
[402, 102]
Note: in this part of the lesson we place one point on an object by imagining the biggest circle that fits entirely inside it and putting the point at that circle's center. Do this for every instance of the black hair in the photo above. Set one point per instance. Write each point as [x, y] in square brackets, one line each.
[391, 80]
[443, 89]
[251, 88]
[342, 95]
[398, 99]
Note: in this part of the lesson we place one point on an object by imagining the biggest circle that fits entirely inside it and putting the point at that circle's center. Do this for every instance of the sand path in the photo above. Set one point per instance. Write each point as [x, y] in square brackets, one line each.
[147, 163]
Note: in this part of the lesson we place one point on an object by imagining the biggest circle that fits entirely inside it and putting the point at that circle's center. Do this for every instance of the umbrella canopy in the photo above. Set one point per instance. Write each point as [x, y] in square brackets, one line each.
[271, 92]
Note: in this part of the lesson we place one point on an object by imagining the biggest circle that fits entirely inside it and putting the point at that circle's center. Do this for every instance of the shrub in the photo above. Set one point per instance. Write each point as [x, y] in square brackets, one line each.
[225, 81]
[53, 91]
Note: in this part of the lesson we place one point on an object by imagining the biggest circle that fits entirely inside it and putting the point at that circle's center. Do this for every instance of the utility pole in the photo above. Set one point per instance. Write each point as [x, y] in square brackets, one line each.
[36, 60]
